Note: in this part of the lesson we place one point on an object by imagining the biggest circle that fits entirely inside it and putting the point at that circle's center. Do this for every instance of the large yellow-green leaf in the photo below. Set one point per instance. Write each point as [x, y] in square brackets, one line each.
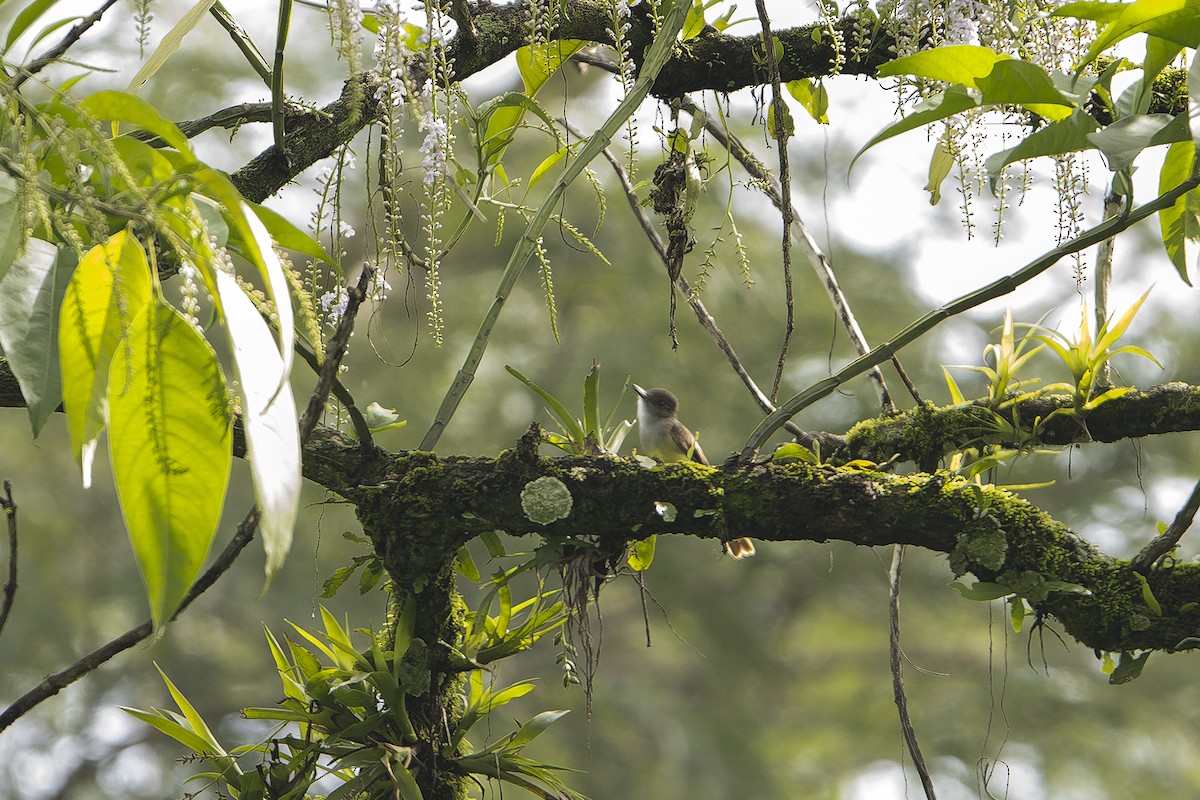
[29, 304]
[108, 289]
[269, 418]
[952, 63]
[1174, 20]
[170, 441]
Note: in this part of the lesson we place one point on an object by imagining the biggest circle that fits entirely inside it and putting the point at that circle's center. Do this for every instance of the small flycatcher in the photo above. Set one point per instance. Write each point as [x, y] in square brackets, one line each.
[666, 438]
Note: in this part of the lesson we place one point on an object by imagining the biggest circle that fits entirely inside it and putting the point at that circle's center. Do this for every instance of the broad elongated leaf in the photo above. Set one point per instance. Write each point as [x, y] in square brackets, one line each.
[171, 444]
[812, 96]
[12, 223]
[1089, 9]
[269, 417]
[1179, 222]
[954, 100]
[1013, 82]
[125, 107]
[1125, 139]
[1174, 20]
[30, 297]
[953, 63]
[1065, 136]
[29, 15]
[107, 290]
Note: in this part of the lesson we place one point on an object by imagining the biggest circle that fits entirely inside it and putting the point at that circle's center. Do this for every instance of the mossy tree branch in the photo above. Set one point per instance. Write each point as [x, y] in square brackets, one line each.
[419, 500]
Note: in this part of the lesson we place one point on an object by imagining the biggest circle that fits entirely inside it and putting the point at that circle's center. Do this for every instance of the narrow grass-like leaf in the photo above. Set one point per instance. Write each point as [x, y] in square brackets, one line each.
[170, 43]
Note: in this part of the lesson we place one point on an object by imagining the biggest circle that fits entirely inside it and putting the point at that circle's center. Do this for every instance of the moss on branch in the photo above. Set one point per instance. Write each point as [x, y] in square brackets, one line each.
[929, 432]
[421, 508]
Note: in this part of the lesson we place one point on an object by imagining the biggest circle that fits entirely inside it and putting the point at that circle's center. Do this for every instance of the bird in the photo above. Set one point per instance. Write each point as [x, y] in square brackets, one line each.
[666, 438]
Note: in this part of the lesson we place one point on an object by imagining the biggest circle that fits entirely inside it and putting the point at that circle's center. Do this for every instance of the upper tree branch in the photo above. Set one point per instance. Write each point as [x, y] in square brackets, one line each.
[711, 60]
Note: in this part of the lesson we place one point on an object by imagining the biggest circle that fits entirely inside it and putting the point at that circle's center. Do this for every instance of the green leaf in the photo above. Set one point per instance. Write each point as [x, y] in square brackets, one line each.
[954, 100]
[591, 401]
[406, 784]
[29, 15]
[812, 97]
[535, 727]
[940, 165]
[1016, 614]
[170, 43]
[953, 63]
[288, 236]
[1174, 20]
[171, 446]
[1128, 668]
[794, 451]
[12, 223]
[125, 107]
[641, 554]
[537, 63]
[1148, 595]
[981, 590]
[787, 128]
[269, 419]
[547, 164]
[493, 544]
[106, 291]
[1090, 9]
[466, 565]
[568, 421]
[1193, 84]
[1065, 136]
[503, 117]
[1013, 82]
[30, 297]
[1124, 140]
[1179, 222]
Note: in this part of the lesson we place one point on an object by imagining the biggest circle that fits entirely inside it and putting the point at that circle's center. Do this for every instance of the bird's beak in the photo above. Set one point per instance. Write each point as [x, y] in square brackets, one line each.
[641, 392]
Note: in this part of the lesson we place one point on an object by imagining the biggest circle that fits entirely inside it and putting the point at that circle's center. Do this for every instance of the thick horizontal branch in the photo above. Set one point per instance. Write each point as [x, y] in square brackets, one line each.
[709, 61]
[418, 502]
[923, 435]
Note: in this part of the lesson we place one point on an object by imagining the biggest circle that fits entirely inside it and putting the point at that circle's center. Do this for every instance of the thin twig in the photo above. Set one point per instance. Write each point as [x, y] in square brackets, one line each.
[1113, 203]
[780, 134]
[928, 322]
[702, 314]
[53, 684]
[10, 586]
[896, 658]
[1165, 542]
[333, 359]
[656, 58]
[57, 52]
[277, 97]
[808, 245]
